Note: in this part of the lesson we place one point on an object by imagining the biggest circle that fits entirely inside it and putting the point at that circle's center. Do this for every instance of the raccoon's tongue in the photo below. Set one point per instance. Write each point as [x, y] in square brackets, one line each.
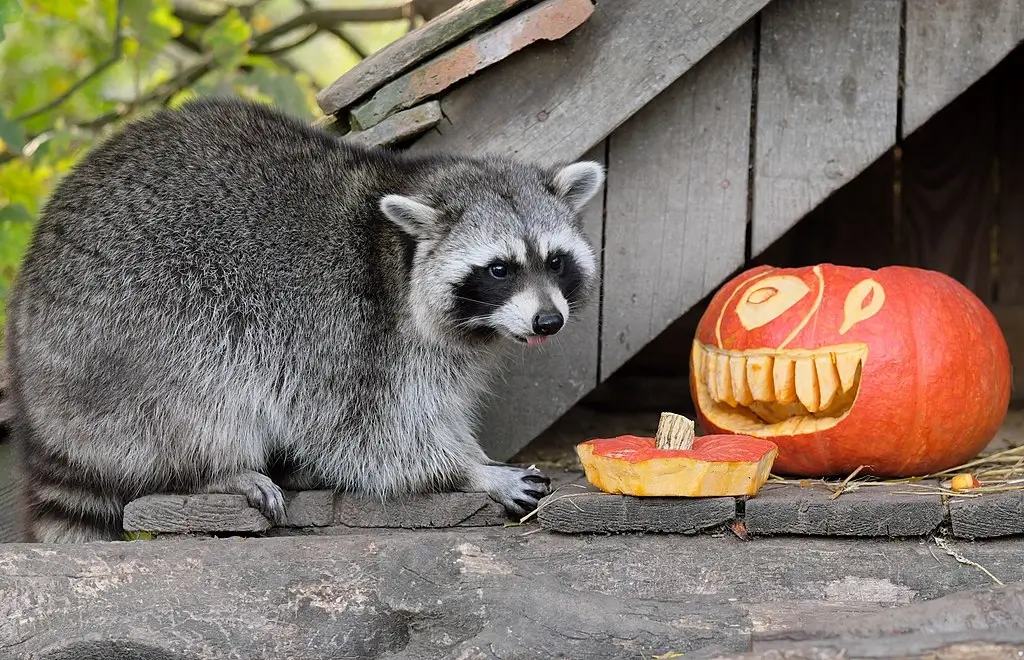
[536, 340]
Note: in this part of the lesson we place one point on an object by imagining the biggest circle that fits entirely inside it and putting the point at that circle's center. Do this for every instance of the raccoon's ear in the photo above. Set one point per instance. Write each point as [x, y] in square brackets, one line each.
[413, 217]
[578, 183]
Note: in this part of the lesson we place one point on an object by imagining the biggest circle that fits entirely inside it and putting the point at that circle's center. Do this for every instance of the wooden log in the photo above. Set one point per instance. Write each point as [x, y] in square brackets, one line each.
[397, 57]
[399, 127]
[949, 47]
[826, 104]
[450, 593]
[537, 386]
[677, 199]
[550, 20]
[533, 106]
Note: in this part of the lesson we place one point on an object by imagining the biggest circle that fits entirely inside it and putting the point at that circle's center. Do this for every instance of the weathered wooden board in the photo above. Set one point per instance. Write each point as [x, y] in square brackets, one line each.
[677, 199]
[399, 126]
[540, 384]
[186, 514]
[590, 511]
[868, 511]
[826, 103]
[989, 516]
[533, 104]
[433, 511]
[550, 20]
[451, 593]
[398, 56]
[950, 45]
[7, 494]
[949, 185]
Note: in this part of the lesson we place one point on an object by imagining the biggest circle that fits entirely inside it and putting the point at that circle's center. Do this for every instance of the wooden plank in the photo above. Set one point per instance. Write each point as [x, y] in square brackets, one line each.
[8, 522]
[677, 199]
[591, 511]
[557, 100]
[399, 126]
[1010, 207]
[541, 384]
[950, 45]
[550, 20]
[398, 56]
[948, 190]
[826, 103]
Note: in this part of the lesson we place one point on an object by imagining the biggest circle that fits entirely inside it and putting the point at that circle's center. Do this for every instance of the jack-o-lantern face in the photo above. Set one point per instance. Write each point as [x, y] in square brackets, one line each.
[840, 367]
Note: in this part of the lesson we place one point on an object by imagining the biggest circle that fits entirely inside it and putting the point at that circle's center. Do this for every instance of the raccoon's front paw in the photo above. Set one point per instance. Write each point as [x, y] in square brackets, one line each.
[519, 490]
[259, 490]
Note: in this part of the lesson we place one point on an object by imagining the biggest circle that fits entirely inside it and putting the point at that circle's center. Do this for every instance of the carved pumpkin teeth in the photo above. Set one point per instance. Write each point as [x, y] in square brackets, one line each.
[724, 374]
[740, 386]
[784, 375]
[765, 390]
[759, 378]
[807, 384]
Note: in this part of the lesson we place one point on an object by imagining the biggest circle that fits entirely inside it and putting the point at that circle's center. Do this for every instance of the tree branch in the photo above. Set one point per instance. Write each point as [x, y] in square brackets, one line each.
[100, 68]
[324, 18]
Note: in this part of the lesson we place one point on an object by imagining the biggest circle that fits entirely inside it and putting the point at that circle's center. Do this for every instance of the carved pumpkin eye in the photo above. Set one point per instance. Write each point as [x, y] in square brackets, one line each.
[863, 302]
[769, 299]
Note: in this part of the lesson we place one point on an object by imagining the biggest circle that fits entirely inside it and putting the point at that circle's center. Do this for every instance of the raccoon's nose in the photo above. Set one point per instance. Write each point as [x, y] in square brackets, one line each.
[547, 324]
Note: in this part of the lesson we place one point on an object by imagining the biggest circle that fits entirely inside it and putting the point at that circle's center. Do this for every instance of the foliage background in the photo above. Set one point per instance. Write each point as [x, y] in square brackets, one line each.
[71, 71]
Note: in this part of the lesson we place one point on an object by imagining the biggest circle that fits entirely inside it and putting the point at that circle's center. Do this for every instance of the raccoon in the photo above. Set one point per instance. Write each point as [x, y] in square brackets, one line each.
[221, 298]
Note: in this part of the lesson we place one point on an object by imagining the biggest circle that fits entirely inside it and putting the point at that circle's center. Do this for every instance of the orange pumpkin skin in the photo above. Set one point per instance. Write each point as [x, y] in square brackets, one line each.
[901, 370]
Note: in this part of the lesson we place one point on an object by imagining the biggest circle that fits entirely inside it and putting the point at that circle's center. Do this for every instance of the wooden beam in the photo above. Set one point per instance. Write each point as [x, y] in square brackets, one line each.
[826, 108]
[950, 45]
[402, 54]
[677, 199]
[466, 593]
[540, 385]
[554, 101]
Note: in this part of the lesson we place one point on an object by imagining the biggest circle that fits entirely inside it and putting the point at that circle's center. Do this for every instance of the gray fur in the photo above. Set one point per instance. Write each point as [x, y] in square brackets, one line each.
[220, 294]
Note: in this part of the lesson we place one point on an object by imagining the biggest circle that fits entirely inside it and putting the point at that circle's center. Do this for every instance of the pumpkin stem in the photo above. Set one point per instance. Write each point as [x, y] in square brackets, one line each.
[674, 432]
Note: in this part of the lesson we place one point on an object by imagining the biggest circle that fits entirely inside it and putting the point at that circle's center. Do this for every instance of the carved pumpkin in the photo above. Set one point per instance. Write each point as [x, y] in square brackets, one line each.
[901, 370]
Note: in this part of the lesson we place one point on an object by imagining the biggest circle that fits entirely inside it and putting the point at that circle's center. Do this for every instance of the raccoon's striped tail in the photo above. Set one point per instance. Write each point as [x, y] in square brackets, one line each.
[63, 513]
[57, 505]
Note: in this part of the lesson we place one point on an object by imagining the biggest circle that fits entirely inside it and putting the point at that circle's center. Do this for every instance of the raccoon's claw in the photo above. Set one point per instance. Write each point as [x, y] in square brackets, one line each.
[259, 490]
[519, 490]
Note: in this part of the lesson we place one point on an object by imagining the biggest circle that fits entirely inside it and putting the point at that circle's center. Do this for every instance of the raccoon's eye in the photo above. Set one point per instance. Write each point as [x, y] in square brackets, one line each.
[556, 264]
[498, 271]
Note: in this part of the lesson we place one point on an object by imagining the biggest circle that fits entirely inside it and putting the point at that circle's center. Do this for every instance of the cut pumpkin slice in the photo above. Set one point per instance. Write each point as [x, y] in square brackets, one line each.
[675, 464]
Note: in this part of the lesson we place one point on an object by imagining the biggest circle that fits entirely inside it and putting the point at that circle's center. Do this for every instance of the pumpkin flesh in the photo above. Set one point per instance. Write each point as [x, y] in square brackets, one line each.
[716, 466]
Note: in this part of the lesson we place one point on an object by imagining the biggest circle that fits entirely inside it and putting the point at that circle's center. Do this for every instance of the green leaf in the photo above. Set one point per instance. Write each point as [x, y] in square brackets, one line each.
[12, 134]
[281, 89]
[228, 38]
[10, 12]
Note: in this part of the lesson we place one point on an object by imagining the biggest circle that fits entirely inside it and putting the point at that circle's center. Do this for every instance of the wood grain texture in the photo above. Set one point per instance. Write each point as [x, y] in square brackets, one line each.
[594, 512]
[8, 492]
[1011, 322]
[949, 191]
[432, 511]
[539, 384]
[451, 593]
[677, 199]
[869, 511]
[188, 514]
[400, 55]
[550, 20]
[826, 105]
[950, 46]
[988, 516]
[399, 127]
[533, 104]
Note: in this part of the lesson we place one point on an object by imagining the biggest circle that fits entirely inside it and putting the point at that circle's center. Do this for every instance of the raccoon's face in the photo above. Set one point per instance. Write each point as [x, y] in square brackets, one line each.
[511, 261]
